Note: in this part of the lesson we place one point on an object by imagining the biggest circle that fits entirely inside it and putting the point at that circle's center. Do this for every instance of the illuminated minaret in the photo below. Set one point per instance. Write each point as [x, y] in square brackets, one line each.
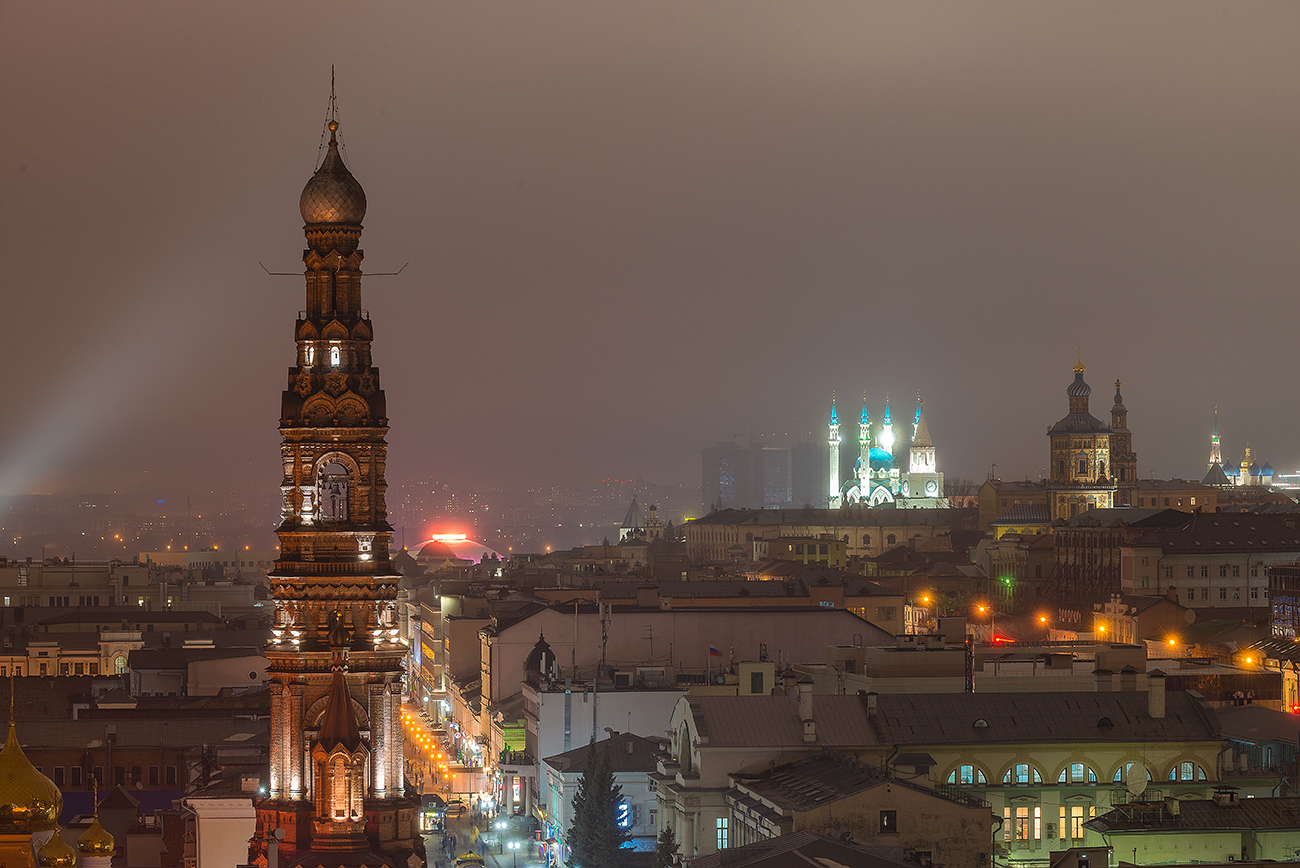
[864, 452]
[833, 442]
[1216, 453]
[887, 430]
[336, 661]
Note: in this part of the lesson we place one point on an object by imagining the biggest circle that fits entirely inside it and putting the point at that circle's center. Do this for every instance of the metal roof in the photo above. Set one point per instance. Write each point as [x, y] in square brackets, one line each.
[773, 721]
[951, 718]
[1202, 815]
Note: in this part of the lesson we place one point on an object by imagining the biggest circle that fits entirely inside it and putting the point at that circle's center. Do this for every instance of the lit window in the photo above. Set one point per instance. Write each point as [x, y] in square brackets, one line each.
[1187, 771]
[1122, 773]
[888, 821]
[722, 833]
[1022, 774]
[967, 775]
[334, 356]
[1077, 773]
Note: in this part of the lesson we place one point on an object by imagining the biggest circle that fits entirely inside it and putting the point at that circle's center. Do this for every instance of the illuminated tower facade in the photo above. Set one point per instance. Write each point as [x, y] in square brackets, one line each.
[336, 765]
[1080, 455]
[1123, 460]
[833, 447]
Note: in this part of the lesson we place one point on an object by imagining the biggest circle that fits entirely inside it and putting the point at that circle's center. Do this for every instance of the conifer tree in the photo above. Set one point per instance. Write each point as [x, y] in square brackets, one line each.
[665, 848]
[594, 835]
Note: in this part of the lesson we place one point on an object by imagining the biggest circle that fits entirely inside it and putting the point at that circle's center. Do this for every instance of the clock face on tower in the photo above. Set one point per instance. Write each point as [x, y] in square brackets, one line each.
[931, 488]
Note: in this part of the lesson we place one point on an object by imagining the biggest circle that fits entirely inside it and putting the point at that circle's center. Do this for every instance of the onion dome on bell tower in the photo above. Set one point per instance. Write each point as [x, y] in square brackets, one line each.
[333, 195]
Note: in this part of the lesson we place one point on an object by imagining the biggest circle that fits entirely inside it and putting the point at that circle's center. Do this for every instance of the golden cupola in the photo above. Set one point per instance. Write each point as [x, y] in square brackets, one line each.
[96, 841]
[29, 801]
[56, 853]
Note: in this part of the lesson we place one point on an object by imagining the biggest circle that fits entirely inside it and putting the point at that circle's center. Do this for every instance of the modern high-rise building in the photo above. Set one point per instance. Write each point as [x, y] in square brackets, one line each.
[336, 785]
[762, 476]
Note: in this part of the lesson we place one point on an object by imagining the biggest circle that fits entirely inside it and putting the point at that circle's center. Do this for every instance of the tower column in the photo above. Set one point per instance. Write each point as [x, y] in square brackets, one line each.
[833, 444]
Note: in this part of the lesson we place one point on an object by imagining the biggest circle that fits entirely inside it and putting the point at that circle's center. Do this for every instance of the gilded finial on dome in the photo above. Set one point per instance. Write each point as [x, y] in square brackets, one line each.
[55, 853]
[332, 196]
[1078, 366]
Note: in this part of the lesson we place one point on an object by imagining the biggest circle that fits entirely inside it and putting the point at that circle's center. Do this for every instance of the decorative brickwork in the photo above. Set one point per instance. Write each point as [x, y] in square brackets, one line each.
[335, 656]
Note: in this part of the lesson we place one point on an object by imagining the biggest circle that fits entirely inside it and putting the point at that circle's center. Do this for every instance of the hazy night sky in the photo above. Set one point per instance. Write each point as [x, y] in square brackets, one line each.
[636, 229]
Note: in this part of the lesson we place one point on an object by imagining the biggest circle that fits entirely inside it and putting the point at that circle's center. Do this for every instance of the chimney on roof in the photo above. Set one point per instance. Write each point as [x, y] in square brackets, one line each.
[1105, 680]
[1128, 679]
[1225, 797]
[1156, 694]
[806, 709]
[872, 706]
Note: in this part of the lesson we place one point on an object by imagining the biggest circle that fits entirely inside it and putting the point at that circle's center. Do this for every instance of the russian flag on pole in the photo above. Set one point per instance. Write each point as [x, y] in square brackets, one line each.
[714, 652]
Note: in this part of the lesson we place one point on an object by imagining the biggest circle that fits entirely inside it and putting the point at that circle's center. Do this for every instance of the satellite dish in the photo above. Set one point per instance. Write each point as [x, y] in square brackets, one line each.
[1137, 779]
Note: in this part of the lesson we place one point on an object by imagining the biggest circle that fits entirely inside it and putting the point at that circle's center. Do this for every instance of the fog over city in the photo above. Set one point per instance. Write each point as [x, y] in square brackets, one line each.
[635, 230]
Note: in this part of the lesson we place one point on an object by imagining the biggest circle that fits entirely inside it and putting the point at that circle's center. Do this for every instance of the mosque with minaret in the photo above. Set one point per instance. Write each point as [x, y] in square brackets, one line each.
[875, 477]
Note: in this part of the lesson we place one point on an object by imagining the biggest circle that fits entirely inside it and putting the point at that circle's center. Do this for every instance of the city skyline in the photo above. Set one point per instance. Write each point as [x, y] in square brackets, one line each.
[604, 207]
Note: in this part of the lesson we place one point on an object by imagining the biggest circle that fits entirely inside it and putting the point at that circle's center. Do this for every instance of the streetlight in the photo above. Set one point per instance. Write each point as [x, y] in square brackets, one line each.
[514, 849]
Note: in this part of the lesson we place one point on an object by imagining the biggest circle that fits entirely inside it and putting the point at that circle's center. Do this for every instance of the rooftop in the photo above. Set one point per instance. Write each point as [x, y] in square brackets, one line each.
[962, 718]
[628, 752]
[1202, 815]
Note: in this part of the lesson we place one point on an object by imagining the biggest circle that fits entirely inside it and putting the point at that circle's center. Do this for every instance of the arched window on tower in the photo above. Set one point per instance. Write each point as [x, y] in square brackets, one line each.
[333, 493]
[334, 356]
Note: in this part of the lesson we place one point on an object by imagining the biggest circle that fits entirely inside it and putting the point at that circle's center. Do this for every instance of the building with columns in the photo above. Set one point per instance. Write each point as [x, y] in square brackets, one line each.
[336, 660]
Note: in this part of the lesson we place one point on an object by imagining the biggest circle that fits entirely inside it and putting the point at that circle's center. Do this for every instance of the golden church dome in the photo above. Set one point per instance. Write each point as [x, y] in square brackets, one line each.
[333, 195]
[56, 853]
[96, 841]
[29, 801]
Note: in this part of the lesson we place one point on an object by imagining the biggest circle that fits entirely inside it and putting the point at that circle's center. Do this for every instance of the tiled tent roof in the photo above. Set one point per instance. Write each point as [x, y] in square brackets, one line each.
[1024, 513]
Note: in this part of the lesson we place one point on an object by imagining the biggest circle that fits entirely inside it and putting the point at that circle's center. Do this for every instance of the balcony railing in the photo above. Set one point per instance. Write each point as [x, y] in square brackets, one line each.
[516, 758]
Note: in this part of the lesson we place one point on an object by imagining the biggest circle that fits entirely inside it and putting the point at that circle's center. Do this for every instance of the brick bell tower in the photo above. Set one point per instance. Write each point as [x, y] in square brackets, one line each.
[336, 784]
